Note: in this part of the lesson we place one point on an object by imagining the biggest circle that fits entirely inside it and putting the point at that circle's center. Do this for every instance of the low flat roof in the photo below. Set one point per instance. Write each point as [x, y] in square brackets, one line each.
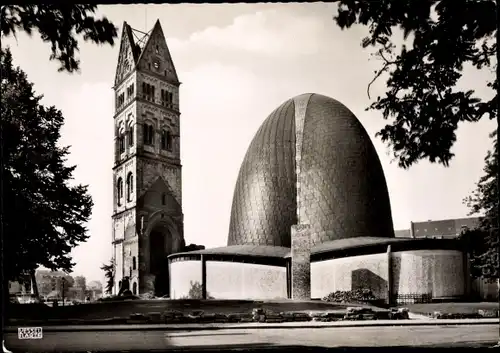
[334, 246]
[358, 242]
[242, 250]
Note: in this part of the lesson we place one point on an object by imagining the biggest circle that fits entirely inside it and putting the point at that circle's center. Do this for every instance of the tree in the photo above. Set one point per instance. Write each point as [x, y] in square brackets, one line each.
[43, 215]
[59, 25]
[422, 101]
[66, 284]
[81, 282]
[109, 273]
[483, 242]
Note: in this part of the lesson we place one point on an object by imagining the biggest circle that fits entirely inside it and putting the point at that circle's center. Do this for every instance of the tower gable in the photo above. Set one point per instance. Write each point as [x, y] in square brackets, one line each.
[156, 58]
[127, 59]
[160, 195]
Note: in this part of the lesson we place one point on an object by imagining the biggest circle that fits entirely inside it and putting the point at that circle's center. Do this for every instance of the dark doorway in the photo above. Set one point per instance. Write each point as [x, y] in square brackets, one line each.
[158, 261]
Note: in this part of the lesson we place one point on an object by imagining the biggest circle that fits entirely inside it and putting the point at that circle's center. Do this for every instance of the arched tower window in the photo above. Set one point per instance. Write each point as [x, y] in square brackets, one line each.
[134, 288]
[163, 199]
[121, 142]
[131, 136]
[134, 263]
[169, 141]
[166, 140]
[130, 186]
[119, 190]
[148, 134]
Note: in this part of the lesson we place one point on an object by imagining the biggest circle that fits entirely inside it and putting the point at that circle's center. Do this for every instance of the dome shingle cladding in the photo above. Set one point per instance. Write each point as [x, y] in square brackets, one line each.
[311, 162]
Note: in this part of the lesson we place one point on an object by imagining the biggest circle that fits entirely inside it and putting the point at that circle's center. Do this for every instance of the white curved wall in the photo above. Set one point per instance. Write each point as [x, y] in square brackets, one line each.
[347, 273]
[439, 272]
[233, 280]
[182, 273]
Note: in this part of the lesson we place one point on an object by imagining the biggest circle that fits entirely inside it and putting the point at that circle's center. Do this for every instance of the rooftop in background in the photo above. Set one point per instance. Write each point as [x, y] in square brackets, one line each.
[445, 228]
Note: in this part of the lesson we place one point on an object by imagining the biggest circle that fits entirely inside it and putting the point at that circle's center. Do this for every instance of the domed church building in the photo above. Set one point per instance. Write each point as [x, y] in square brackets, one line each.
[311, 215]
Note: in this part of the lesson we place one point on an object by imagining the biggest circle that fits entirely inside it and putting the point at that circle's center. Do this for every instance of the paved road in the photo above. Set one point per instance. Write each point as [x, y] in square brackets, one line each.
[435, 336]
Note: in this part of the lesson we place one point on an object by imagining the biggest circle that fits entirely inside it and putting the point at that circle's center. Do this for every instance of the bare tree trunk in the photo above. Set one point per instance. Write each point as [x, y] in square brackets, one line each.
[34, 285]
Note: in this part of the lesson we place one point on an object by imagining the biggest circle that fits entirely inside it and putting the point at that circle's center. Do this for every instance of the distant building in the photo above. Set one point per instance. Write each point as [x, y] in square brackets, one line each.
[49, 282]
[440, 229]
[94, 285]
[20, 287]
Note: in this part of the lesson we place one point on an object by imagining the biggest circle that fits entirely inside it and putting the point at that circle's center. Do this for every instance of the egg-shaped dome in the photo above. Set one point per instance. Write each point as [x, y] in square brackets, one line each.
[311, 162]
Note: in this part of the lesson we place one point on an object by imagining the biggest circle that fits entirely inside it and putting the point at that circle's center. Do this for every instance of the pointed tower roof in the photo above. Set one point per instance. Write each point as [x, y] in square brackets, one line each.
[128, 55]
[156, 36]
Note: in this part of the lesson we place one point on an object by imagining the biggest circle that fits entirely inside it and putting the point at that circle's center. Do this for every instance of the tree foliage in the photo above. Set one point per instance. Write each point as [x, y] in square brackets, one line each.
[483, 243]
[422, 102]
[109, 273]
[59, 25]
[43, 215]
[81, 282]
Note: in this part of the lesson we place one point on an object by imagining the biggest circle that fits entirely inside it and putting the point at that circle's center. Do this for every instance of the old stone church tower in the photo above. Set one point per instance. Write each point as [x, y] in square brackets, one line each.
[147, 205]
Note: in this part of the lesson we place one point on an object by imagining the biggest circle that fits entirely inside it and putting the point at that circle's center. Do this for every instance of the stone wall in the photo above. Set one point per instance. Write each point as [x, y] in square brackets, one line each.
[301, 263]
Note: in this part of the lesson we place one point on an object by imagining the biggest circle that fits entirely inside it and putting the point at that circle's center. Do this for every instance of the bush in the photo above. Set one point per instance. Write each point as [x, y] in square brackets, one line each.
[147, 295]
[118, 298]
[195, 291]
[353, 296]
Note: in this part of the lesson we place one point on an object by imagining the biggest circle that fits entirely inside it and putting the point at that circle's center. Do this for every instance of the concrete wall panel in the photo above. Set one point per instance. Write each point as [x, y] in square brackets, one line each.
[182, 275]
[439, 272]
[232, 280]
[348, 273]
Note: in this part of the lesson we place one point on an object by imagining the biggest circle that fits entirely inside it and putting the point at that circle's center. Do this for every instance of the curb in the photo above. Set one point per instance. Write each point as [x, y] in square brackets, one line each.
[208, 327]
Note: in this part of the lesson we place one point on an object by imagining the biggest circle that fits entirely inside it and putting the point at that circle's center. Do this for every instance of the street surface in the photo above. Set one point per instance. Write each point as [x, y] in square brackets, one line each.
[390, 336]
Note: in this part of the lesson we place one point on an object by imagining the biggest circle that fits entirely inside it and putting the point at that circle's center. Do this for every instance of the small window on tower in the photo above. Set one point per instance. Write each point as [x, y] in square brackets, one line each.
[157, 51]
[156, 65]
[131, 136]
[151, 134]
[148, 134]
[163, 140]
[119, 191]
[130, 186]
[134, 264]
[122, 144]
[163, 199]
[169, 141]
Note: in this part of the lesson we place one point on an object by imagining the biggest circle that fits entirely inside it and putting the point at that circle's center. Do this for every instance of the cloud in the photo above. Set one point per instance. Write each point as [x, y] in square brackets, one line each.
[268, 32]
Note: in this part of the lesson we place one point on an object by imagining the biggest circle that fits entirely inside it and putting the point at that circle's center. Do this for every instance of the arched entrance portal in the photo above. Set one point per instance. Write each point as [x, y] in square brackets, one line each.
[162, 242]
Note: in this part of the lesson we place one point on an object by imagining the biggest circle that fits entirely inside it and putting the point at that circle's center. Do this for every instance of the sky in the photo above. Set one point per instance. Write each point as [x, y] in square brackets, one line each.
[237, 63]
